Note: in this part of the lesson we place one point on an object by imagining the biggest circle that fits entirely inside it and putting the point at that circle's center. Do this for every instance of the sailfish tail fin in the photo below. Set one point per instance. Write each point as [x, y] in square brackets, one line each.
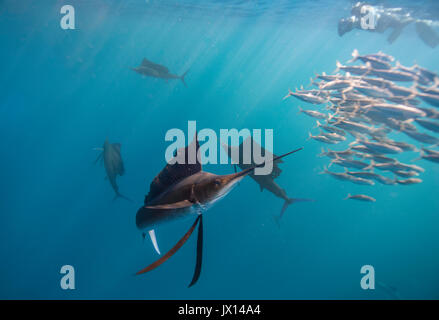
[182, 77]
[119, 195]
[286, 204]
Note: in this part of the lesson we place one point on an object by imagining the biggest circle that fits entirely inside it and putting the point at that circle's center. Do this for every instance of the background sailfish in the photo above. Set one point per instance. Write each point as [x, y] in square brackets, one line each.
[181, 190]
[155, 70]
[113, 164]
[265, 181]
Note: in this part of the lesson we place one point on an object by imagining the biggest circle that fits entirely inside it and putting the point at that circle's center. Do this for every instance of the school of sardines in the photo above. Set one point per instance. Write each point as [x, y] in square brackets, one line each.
[367, 105]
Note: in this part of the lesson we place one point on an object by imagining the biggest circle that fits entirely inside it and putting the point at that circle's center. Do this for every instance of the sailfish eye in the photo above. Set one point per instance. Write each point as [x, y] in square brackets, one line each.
[217, 182]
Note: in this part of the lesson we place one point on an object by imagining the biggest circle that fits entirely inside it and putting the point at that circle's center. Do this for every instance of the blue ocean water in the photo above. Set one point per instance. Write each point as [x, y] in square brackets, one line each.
[63, 92]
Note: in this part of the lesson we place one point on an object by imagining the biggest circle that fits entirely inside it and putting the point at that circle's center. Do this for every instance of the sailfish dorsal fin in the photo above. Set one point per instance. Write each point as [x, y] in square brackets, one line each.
[173, 173]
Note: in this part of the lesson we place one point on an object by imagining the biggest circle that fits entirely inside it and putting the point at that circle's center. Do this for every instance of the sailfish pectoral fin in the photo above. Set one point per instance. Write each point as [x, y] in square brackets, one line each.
[173, 250]
[197, 271]
[154, 240]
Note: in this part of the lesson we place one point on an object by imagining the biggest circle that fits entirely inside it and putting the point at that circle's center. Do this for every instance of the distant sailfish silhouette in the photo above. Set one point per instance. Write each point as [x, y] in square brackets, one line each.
[113, 164]
[181, 190]
[265, 181]
[155, 70]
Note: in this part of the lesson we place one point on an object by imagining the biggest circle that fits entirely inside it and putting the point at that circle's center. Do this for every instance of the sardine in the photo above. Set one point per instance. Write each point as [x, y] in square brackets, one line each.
[330, 129]
[408, 181]
[428, 124]
[313, 113]
[322, 138]
[360, 197]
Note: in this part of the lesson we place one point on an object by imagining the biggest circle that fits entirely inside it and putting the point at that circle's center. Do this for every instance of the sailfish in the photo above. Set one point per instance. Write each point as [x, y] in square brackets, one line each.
[113, 163]
[155, 70]
[265, 181]
[181, 190]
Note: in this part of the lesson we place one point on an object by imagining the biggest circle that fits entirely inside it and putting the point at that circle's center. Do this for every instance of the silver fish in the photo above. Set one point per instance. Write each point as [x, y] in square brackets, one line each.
[322, 138]
[408, 181]
[319, 93]
[313, 113]
[364, 149]
[379, 147]
[377, 157]
[399, 125]
[402, 91]
[421, 79]
[429, 155]
[394, 75]
[374, 61]
[411, 102]
[348, 102]
[430, 113]
[403, 145]
[334, 136]
[382, 56]
[431, 90]
[360, 197]
[372, 91]
[334, 154]
[431, 99]
[396, 166]
[425, 73]
[349, 163]
[335, 84]
[371, 176]
[362, 174]
[358, 70]
[430, 152]
[384, 180]
[345, 177]
[428, 124]
[357, 127]
[307, 97]
[406, 174]
[420, 136]
[377, 82]
[395, 111]
[330, 129]
[327, 77]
